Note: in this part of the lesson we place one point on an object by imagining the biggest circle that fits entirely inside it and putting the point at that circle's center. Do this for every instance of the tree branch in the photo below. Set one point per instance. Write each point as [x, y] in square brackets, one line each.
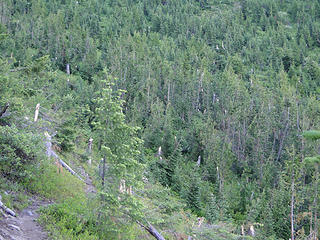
[3, 111]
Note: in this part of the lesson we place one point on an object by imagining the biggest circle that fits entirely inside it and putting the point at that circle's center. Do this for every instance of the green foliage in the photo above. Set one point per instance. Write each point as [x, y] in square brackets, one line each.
[66, 136]
[312, 135]
[18, 157]
[118, 140]
[212, 209]
[17, 199]
[59, 185]
[236, 93]
[70, 220]
[312, 160]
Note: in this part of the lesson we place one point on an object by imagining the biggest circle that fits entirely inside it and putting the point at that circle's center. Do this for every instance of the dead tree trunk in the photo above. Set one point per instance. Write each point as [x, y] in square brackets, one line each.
[90, 150]
[50, 153]
[3, 111]
[68, 68]
[199, 161]
[7, 210]
[316, 204]
[36, 113]
[292, 206]
[152, 231]
[103, 169]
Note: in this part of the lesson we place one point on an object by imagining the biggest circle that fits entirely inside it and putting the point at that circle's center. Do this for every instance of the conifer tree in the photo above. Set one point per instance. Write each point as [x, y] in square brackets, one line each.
[314, 161]
[120, 149]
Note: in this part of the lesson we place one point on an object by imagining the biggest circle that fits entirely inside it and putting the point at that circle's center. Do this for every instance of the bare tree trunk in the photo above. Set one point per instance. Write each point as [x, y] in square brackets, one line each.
[152, 231]
[199, 161]
[68, 68]
[103, 169]
[292, 205]
[311, 217]
[36, 114]
[168, 94]
[251, 231]
[316, 205]
[90, 150]
[50, 153]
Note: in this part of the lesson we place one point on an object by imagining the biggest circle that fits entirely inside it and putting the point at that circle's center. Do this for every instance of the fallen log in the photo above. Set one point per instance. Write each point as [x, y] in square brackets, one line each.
[50, 153]
[6, 209]
[69, 169]
[152, 231]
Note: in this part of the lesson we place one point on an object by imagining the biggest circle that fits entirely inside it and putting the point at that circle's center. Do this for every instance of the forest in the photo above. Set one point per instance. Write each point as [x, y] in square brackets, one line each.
[208, 109]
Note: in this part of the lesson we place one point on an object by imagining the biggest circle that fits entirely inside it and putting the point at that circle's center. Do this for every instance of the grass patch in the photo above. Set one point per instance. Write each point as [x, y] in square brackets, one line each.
[70, 220]
[57, 186]
[71, 217]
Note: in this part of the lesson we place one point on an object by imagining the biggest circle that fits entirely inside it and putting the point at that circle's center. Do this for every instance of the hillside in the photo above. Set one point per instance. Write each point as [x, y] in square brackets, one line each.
[196, 110]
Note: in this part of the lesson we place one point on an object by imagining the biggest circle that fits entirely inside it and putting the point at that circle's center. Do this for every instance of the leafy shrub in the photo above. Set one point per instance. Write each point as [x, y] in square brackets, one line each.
[66, 136]
[70, 220]
[18, 153]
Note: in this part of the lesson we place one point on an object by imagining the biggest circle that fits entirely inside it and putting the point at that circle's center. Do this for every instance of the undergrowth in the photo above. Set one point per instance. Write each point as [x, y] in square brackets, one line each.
[55, 184]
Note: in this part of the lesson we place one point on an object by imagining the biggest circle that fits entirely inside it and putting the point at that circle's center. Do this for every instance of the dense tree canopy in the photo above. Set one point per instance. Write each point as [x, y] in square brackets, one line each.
[225, 88]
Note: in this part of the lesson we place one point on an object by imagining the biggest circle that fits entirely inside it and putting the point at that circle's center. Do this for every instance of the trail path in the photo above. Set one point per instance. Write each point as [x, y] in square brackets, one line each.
[24, 226]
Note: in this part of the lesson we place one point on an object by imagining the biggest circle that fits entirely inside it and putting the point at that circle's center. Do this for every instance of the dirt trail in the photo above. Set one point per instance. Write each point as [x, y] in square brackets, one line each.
[24, 226]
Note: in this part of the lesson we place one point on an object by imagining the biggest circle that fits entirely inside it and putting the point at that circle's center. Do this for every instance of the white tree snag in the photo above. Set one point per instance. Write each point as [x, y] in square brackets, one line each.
[315, 203]
[68, 68]
[251, 231]
[129, 190]
[90, 150]
[292, 206]
[36, 114]
[68, 71]
[159, 153]
[103, 170]
[152, 231]
[199, 161]
[311, 224]
[51, 153]
[122, 187]
[242, 230]
[6, 210]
